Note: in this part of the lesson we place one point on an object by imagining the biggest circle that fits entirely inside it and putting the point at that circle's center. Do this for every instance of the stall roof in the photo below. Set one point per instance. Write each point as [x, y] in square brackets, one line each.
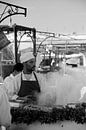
[18, 27]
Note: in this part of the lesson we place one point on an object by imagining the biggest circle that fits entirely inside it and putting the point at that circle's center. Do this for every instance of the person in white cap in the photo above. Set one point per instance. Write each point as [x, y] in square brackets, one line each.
[27, 85]
[9, 80]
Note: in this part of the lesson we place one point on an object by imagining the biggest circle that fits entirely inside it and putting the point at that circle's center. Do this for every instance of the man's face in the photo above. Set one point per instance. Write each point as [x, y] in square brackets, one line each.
[29, 66]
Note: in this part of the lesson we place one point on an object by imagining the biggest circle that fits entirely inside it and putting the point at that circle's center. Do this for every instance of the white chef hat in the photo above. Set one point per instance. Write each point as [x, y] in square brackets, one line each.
[26, 56]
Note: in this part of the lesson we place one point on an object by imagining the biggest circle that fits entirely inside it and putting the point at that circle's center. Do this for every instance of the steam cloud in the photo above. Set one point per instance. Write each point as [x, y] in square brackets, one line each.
[59, 88]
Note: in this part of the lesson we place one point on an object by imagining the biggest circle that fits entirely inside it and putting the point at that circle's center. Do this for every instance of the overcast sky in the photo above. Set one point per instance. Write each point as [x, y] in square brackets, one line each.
[59, 16]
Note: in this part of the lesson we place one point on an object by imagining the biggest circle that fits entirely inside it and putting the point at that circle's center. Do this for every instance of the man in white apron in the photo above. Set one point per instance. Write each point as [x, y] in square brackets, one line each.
[27, 83]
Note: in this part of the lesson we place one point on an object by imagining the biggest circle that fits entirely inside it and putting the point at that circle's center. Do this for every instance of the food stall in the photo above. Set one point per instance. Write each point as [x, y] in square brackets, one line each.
[31, 116]
[34, 117]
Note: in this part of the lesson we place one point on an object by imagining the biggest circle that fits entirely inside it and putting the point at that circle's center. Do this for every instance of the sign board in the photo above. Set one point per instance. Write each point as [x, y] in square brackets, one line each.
[3, 40]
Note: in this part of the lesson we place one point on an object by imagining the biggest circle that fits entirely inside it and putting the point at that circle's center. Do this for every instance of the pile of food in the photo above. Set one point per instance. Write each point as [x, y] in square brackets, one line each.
[33, 113]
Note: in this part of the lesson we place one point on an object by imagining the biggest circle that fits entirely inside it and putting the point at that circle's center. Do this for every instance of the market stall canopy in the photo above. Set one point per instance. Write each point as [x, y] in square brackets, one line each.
[3, 40]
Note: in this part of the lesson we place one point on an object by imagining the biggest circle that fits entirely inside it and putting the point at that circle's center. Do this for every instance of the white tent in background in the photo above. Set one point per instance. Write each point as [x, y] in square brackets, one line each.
[75, 59]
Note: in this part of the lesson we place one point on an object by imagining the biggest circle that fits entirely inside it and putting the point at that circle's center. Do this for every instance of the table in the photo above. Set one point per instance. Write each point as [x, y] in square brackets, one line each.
[34, 117]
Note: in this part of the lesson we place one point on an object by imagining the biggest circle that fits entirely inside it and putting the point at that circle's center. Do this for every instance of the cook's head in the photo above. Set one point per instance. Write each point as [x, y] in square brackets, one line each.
[28, 61]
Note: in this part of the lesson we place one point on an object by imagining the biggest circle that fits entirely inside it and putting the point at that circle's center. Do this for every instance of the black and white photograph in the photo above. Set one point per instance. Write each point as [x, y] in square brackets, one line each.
[42, 64]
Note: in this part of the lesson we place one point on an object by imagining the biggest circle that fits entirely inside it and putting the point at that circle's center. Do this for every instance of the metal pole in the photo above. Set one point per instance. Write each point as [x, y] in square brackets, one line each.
[15, 43]
[34, 42]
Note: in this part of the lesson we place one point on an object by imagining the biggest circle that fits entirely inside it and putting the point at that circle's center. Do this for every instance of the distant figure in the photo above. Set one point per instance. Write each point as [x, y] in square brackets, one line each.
[9, 80]
[1, 79]
[83, 93]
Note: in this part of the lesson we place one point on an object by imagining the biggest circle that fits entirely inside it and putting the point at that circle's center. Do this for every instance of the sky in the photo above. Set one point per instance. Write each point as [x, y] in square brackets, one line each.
[58, 16]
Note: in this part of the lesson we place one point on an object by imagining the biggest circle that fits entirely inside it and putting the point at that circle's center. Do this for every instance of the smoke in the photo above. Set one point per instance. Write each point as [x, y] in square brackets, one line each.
[59, 88]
